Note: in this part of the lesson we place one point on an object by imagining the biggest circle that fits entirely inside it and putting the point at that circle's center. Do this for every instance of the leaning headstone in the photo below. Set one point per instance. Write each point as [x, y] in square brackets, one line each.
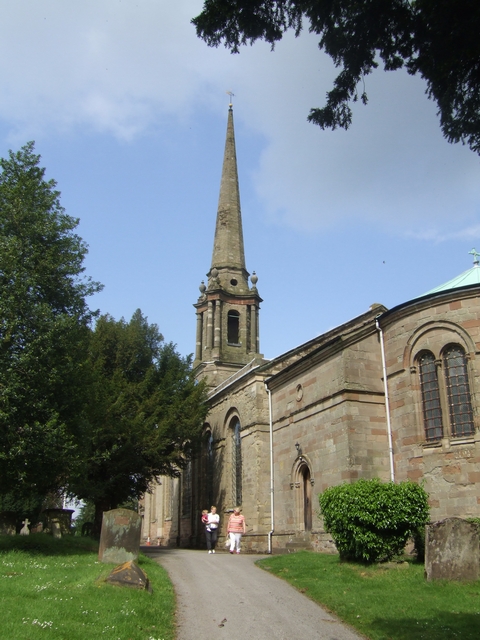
[452, 550]
[25, 531]
[129, 574]
[8, 523]
[120, 536]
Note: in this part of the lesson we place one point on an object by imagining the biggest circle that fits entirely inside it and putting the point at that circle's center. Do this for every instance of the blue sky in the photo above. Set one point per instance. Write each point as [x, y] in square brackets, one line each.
[128, 110]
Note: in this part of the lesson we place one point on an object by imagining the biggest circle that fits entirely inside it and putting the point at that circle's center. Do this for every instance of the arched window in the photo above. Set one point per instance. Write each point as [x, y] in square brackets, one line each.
[459, 401]
[187, 490]
[209, 467]
[236, 462]
[432, 409]
[233, 327]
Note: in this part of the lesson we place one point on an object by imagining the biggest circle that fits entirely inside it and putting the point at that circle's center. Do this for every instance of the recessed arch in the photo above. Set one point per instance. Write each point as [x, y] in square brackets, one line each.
[303, 485]
[432, 336]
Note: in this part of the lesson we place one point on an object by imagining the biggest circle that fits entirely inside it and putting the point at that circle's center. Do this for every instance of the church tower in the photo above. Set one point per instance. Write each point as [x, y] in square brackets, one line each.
[228, 308]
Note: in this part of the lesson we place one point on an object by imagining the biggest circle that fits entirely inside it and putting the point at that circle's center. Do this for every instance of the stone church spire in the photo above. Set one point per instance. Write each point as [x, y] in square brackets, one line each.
[228, 259]
[228, 308]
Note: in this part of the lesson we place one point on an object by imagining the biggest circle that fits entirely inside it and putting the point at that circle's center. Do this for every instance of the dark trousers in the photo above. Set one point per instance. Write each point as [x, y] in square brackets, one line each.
[211, 537]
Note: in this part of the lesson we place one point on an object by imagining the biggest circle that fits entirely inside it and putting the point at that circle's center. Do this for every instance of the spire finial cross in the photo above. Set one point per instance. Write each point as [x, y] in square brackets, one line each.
[475, 255]
[232, 95]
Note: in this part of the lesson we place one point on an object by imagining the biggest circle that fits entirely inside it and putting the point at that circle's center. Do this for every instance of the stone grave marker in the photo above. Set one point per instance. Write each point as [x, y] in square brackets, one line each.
[8, 523]
[25, 531]
[452, 550]
[120, 536]
[58, 521]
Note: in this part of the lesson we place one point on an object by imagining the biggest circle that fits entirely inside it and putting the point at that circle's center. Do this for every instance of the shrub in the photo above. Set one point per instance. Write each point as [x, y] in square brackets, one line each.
[371, 520]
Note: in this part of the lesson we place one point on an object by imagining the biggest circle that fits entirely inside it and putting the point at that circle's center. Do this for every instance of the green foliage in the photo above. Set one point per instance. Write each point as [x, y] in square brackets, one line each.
[145, 414]
[370, 520]
[85, 514]
[381, 601]
[418, 536]
[43, 331]
[437, 39]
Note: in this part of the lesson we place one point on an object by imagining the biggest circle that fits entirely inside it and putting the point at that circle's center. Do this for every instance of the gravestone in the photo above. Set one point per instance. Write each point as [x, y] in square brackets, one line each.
[38, 528]
[8, 523]
[120, 536]
[58, 522]
[25, 531]
[452, 550]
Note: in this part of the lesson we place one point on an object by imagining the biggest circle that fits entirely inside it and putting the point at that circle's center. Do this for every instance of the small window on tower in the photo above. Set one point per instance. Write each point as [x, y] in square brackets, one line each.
[233, 282]
[233, 327]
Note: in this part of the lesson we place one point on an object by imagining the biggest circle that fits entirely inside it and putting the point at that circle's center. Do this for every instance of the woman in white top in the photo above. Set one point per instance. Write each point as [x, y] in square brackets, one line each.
[211, 529]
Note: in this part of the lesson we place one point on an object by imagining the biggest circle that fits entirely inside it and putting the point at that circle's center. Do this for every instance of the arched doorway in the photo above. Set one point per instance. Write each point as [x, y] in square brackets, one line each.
[306, 487]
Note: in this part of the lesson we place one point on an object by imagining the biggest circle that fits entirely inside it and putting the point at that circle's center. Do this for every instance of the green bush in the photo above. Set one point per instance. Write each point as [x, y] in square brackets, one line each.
[371, 520]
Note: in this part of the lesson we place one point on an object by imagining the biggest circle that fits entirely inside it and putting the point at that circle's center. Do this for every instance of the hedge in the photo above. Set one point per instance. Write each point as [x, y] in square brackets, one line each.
[370, 520]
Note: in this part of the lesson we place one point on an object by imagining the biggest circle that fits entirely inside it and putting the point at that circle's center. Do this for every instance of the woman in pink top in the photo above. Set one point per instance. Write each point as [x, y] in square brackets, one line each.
[235, 529]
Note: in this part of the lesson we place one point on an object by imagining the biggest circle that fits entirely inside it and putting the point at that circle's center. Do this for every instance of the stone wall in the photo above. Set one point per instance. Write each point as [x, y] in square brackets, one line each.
[449, 468]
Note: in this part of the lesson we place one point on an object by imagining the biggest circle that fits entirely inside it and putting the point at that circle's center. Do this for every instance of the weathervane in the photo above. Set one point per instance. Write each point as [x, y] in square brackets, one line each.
[475, 255]
[231, 94]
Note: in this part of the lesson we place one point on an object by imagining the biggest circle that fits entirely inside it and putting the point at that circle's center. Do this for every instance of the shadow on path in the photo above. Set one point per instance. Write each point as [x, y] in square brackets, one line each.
[227, 596]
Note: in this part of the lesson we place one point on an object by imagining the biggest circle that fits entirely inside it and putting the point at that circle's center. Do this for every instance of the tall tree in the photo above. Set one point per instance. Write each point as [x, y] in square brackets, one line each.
[146, 413]
[44, 320]
[437, 39]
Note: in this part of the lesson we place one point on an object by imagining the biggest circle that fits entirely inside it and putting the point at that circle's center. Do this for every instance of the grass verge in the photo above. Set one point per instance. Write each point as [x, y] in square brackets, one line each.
[384, 603]
[55, 588]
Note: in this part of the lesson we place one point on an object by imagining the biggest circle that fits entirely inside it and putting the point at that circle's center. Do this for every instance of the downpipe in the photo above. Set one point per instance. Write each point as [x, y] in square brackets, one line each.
[387, 401]
[270, 533]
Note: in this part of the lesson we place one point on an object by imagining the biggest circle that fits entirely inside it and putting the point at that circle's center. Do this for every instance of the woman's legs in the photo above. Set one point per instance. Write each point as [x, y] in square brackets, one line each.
[214, 535]
[235, 542]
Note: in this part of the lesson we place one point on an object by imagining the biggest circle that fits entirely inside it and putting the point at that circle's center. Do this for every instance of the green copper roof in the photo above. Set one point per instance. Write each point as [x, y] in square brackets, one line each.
[470, 277]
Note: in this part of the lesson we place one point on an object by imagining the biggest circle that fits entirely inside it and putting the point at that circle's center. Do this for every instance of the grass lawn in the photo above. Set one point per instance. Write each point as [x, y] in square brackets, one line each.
[54, 588]
[384, 603]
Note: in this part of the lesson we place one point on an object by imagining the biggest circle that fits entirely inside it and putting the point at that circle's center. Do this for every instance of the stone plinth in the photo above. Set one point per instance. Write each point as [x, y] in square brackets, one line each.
[129, 574]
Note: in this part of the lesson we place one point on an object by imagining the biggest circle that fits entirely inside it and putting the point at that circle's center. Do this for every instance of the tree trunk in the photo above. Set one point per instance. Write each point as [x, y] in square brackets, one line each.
[101, 506]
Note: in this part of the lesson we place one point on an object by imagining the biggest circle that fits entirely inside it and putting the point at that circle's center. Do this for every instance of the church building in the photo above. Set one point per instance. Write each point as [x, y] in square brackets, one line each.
[391, 394]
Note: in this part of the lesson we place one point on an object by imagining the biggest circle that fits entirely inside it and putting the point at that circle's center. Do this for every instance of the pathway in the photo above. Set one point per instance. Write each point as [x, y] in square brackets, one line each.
[227, 596]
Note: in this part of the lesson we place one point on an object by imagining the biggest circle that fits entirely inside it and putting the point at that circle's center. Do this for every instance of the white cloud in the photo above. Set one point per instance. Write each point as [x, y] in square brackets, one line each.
[121, 67]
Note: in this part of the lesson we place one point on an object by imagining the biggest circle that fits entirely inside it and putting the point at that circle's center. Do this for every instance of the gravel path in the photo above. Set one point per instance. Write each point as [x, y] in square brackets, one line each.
[227, 596]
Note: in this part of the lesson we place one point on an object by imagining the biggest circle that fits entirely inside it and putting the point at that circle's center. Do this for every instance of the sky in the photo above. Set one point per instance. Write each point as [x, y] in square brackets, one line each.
[128, 109]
